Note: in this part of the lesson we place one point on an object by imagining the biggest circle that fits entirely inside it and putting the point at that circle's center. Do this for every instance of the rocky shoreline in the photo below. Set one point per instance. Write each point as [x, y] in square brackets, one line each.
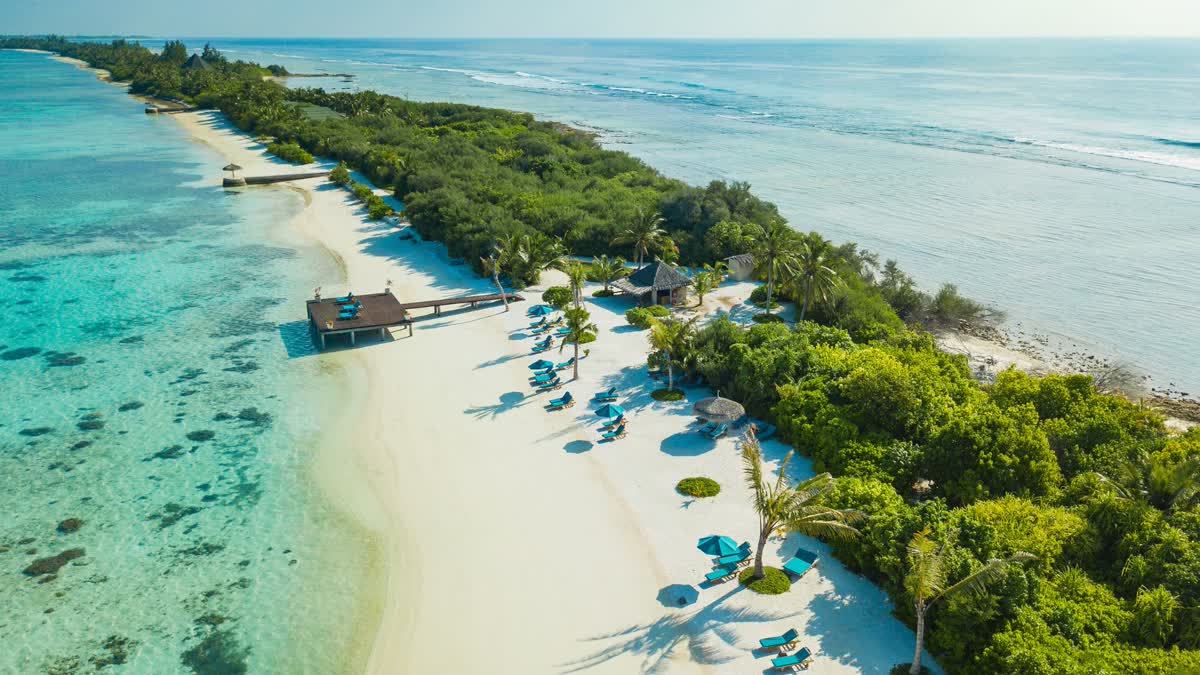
[990, 349]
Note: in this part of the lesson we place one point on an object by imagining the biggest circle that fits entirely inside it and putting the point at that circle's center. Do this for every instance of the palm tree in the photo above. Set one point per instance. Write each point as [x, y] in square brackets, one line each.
[576, 277]
[784, 508]
[926, 580]
[491, 267]
[815, 273]
[607, 271]
[579, 330]
[775, 255]
[672, 338]
[708, 279]
[644, 235]
[1162, 483]
[527, 255]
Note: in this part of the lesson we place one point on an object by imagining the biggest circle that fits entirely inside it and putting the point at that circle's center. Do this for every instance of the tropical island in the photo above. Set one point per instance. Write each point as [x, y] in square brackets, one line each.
[1031, 525]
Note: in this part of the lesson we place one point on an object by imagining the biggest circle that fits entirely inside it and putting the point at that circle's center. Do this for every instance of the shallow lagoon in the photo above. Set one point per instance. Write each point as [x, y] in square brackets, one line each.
[149, 395]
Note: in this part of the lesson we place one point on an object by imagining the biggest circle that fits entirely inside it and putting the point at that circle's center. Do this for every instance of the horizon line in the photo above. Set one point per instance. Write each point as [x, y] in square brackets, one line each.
[681, 38]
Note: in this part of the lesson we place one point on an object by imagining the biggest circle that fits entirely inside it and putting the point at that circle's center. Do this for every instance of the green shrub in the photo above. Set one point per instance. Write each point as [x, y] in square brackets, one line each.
[667, 395]
[340, 175]
[603, 293]
[768, 318]
[639, 317]
[698, 487]
[558, 296]
[290, 152]
[774, 582]
[589, 337]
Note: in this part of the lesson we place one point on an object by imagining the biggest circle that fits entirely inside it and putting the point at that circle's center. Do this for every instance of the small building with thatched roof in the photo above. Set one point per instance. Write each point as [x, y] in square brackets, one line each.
[196, 63]
[654, 283]
[741, 266]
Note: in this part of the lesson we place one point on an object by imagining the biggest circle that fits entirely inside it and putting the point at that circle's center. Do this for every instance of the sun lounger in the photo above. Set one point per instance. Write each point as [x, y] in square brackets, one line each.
[740, 558]
[801, 563]
[565, 364]
[348, 298]
[781, 642]
[565, 401]
[549, 385]
[347, 315]
[798, 660]
[561, 332]
[708, 428]
[606, 396]
[613, 435]
[765, 431]
[718, 432]
[545, 377]
[721, 573]
[613, 421]
[540, 322]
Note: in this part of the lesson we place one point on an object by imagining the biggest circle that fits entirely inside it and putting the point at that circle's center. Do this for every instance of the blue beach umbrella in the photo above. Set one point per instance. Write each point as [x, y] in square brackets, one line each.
[718, 546]
[610, 410]
[541, 364]
[540, 310]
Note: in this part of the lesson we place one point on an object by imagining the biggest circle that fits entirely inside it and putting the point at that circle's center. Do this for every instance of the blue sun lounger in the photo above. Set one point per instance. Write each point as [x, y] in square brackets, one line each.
[347, 315]
[348, 298]
[798, 660]
[613, 421]
[613, 435]
[802, 562]
[566, 401]
[718, 432]
[781, 642]
[562, 331]
[545, 376]
[721, 573]
[742, 557]
[606, 396]
[708, 428]
[565, 364]
[540, 322]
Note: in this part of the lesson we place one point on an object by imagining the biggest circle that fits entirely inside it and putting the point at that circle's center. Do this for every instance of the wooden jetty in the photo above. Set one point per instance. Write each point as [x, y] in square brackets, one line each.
[380, 311]
[277, 178]
[472, 300]
[160, 110]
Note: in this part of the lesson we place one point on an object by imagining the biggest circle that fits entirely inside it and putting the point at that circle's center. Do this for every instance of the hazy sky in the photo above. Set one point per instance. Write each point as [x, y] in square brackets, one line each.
[603, 18]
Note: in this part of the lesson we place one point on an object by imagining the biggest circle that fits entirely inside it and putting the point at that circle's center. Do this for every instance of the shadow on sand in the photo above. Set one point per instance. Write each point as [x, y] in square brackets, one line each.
[707, 635]
[508, 401]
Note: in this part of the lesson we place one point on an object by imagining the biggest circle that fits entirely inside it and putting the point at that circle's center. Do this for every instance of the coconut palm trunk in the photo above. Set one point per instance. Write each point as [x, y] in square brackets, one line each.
[670, 373]
[916, 662]
[808, 292]
[575, 362]
[770, 285]
[496, 279]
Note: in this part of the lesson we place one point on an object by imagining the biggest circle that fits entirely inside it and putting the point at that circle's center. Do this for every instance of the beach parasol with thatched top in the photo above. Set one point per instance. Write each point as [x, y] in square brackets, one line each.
[719, 409]
[232, 169]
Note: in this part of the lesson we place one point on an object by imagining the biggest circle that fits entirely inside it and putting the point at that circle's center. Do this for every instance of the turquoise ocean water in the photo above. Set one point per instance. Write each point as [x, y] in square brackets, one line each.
[1056, 179]
[156, 389]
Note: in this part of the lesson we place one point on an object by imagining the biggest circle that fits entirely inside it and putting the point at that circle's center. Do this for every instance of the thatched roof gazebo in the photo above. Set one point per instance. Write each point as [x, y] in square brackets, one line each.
[196, 63]
[718, 409]
[658, 280]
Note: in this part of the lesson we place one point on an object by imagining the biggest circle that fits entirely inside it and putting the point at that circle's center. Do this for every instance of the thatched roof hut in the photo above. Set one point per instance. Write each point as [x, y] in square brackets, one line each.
[196, 63]
[658, 280]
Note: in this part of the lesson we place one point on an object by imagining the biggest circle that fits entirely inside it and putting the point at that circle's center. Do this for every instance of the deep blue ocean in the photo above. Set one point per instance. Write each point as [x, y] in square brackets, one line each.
[1058, 180]
[159, 414]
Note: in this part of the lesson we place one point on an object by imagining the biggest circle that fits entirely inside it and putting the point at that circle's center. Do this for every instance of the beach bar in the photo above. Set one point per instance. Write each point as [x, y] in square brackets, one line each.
[655, 283]
[377, 312]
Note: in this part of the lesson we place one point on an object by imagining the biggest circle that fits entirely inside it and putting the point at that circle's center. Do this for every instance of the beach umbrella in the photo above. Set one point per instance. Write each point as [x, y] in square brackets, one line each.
[232, 169]
[540, 310]
[541, 364]
[717, 545]
[719, 410]
[610, 410]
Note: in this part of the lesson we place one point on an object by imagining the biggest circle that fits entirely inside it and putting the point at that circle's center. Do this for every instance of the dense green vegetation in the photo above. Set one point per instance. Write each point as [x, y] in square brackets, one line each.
[699, 486]
[1092, 485]
[290, 152]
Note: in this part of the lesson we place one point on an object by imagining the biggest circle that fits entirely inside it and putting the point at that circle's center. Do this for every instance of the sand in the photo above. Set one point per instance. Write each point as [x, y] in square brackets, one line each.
[512, 540]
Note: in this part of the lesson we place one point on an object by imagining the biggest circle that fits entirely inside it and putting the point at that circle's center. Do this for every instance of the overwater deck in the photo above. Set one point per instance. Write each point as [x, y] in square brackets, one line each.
[380, 311]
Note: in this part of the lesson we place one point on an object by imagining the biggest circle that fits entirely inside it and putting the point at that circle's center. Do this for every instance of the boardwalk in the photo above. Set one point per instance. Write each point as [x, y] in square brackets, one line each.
[472, 300]
[378, 312]
[277, 178]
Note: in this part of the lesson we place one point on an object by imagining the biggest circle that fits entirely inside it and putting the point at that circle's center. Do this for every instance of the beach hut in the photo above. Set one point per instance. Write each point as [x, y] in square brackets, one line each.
[654, 283]
[196, 63]
[741, 266]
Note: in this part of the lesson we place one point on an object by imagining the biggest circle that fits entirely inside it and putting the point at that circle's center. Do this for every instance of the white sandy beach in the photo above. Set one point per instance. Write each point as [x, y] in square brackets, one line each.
[512, 541]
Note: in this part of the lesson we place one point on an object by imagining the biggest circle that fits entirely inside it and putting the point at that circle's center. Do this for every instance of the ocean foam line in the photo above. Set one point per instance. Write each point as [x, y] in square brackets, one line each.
[1162, 159]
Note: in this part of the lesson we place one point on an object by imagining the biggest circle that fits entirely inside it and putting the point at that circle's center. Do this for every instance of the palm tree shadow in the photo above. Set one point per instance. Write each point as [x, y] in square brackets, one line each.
[707, 635]
[498, 360]
[508, 401]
